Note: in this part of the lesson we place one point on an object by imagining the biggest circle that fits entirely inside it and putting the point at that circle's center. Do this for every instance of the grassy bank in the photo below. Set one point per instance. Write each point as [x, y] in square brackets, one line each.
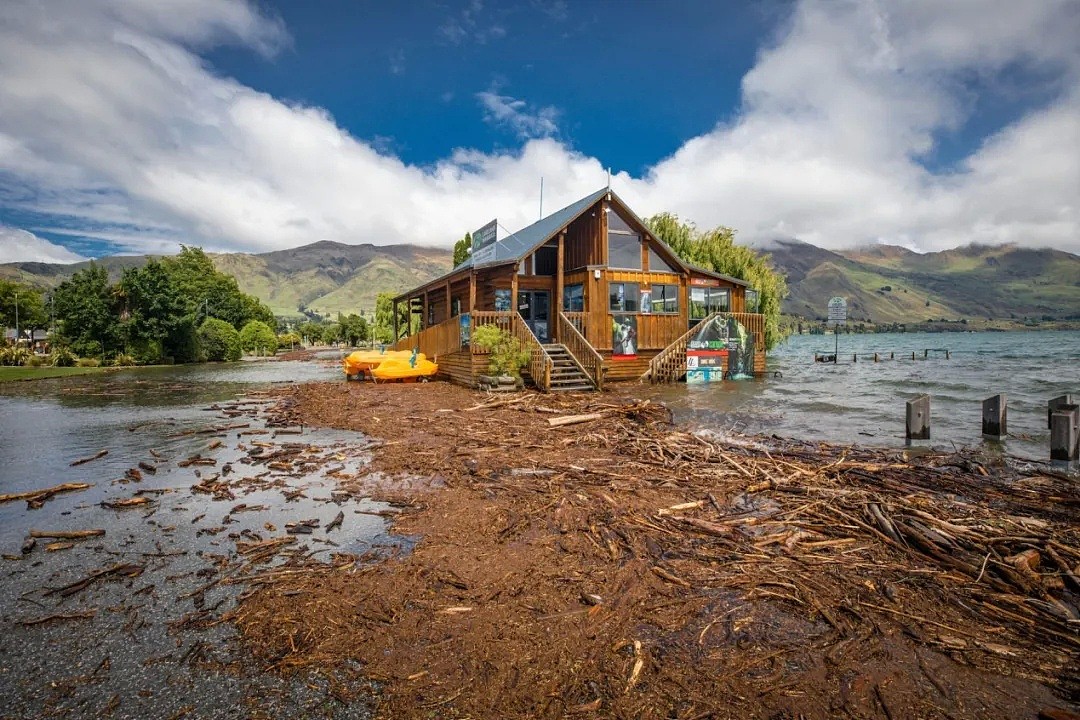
[11, 374]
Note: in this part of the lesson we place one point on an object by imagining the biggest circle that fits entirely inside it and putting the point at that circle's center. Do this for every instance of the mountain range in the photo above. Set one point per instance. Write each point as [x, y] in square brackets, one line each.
[883, 283]
[890, 284]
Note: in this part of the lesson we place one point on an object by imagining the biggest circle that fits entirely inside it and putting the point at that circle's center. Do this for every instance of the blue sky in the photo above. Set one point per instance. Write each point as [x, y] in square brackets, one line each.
[134, 127]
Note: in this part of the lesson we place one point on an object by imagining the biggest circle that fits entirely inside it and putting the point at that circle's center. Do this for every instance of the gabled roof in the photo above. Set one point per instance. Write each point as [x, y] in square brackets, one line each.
[517, 245]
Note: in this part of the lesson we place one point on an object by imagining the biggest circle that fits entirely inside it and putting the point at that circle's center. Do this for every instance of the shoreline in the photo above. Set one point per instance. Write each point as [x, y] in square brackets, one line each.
[622, 566]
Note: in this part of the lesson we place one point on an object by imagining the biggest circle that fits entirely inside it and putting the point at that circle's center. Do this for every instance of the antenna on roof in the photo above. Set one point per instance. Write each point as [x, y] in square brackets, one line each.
[541, 197]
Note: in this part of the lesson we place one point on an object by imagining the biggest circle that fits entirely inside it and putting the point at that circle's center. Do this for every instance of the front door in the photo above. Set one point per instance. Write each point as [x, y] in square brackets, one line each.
[534, 306]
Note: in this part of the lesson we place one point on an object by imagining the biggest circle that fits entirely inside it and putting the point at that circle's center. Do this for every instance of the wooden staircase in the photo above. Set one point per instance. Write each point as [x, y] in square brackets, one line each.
[566, 374]
[670, 365]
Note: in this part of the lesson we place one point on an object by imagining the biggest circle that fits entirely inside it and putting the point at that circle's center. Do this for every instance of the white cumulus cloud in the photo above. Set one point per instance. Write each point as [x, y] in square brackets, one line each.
[111, 119]
[21, 246]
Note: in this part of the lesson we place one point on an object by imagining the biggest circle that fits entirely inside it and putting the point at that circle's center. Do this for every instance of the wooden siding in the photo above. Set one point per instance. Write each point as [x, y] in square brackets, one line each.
[459, 367]
[618, 370]
[586, 240]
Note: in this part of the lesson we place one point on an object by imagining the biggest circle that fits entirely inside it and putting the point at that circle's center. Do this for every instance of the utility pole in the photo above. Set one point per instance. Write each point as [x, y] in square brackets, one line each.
[16, 319]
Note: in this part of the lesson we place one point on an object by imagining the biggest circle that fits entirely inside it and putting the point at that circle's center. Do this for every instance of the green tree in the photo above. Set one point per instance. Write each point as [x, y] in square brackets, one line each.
[31, 315]
[716, 250]
[218, 341]
[354, 328]
[310, 331]
[154, 322]
[210, 293]
[383, 331]
[331, 333]
[258, 337]
[462, 248]
[85, 312]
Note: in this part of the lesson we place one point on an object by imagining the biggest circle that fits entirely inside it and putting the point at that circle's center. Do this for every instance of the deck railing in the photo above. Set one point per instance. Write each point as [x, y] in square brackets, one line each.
[583, 353]
[670, 364]
[541, 366]
[577, 319]
[435, 340]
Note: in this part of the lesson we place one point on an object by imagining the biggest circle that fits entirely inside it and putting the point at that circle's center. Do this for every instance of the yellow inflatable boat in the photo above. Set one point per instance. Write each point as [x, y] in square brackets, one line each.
[388, 365]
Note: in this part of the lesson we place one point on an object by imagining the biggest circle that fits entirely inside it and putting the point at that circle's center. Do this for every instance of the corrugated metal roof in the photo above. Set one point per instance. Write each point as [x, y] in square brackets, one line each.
[721, 276]
[518, 244]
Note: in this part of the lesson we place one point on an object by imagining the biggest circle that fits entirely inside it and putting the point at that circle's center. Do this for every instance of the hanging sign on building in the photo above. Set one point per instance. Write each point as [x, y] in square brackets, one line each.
[483, 243]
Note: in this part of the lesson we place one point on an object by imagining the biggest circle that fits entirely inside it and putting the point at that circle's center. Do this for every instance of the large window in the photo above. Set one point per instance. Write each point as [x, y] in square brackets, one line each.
[623, 297]
[545, 260]
[753, 301]
[657, 263]
[664, 299]
[502, 301]
[624, 245]
[708, 300]
[573, 298]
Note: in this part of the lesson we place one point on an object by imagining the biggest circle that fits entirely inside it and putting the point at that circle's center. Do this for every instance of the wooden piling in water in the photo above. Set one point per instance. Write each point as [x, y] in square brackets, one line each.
[918, 418]
[1065, 433]
[892, 355]
[994, 414]
[1053, 405]
[876, 358]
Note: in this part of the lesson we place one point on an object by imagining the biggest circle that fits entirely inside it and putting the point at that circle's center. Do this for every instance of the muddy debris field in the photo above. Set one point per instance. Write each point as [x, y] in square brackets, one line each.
[567, 556]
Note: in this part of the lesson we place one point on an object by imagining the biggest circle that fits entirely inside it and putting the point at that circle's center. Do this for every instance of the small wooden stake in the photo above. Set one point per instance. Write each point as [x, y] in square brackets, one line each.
[994, 411]
[918, 418]
[1053, 405]
[1065, 433]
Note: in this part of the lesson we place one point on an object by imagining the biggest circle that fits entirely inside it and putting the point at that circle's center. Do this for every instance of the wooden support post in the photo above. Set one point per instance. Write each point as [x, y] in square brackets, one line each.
[912, 354]
[423, 313]
[994, 413]
[854, 358]
[394, 313]
[557, 301]
[449, 310]
[892, 355]
[472, 291]
[946, 353]
[876, 358]
[918, 418]
[1053, 405]
[926, 353]
[1065, 433]
[514, 289]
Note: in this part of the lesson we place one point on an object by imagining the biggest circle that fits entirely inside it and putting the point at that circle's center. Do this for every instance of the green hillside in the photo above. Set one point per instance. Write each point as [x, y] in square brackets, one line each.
[887, 284]
[324, 277]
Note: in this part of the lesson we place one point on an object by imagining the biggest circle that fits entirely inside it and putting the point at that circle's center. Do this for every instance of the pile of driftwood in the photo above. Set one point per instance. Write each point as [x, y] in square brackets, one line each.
[580, 555]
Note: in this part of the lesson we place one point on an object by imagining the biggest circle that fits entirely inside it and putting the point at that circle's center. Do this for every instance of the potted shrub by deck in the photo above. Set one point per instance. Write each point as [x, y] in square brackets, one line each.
[506, 361]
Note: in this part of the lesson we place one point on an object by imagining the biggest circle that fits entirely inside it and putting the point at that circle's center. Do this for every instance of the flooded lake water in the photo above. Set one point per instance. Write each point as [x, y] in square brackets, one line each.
[864, 402]
[120, 647]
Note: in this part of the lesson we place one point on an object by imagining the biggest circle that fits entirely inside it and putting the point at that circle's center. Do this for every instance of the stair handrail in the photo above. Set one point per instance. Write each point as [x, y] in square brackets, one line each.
[669, 357]
[582, 353]
[541, 365]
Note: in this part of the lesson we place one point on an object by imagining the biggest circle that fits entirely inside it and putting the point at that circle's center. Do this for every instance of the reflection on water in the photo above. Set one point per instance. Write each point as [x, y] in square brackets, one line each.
[863, 401]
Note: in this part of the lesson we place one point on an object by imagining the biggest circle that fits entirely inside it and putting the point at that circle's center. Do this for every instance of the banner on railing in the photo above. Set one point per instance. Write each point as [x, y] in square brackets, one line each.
[721, 348]
[465, 329]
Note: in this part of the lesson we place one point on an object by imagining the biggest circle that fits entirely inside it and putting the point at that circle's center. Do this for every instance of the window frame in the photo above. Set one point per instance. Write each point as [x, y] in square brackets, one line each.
[627, 294]
[663, 299]
[567, 289]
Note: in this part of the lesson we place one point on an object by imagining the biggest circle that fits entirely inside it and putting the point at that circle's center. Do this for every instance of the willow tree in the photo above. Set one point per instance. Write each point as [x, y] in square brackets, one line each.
[462, 248]
[716, 250]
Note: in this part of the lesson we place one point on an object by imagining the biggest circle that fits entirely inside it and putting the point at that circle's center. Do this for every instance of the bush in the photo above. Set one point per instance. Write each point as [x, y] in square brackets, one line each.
[15, 356]
[35, 361]
[257, 336]
[123, 360]
[507, 355]
[62, 357]
[218, 341]
[88, 362]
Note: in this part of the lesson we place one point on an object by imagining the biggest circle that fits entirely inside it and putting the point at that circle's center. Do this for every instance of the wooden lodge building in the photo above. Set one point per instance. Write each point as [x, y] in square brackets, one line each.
[590, 292]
